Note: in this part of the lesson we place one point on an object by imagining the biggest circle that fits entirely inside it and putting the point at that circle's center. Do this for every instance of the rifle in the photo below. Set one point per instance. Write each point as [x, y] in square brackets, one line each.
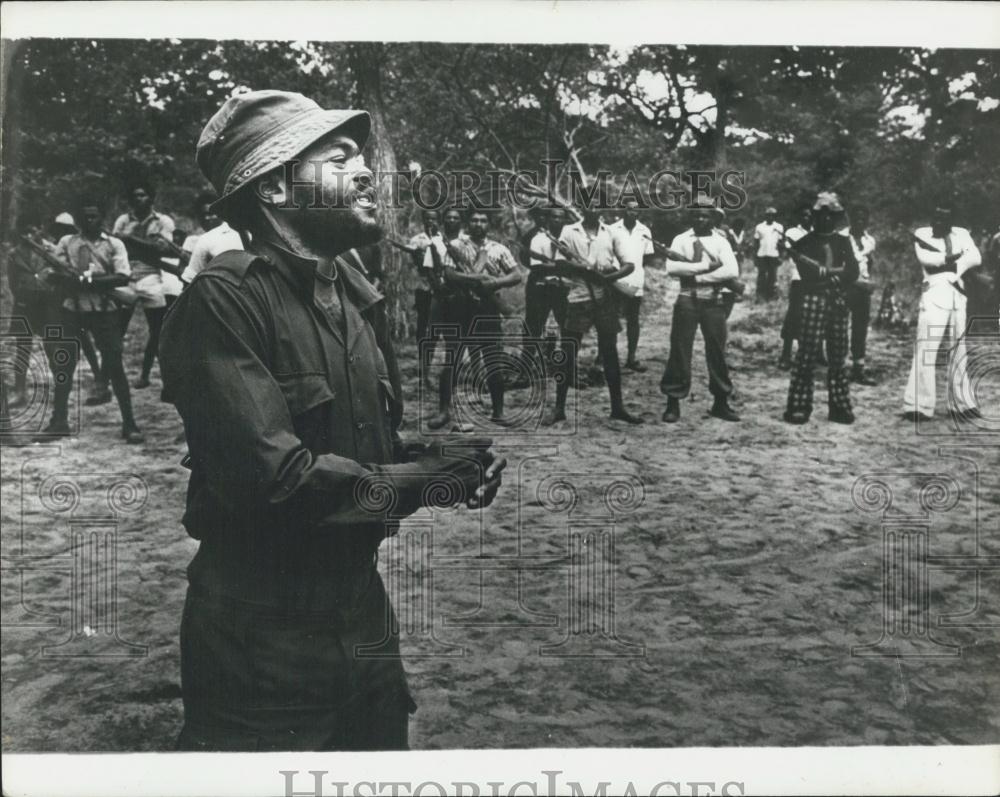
[410, 250]
[560, 268]
[70, 276]
[150, 250]
[925, 245]
[437, 280]
[802, 259]
[53, 262]
[736, 285]
[575, 267]
[492, 299]
[666, 251]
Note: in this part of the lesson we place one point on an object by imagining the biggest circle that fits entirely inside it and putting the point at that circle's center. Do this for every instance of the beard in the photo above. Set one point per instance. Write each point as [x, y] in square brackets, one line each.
[337, 230]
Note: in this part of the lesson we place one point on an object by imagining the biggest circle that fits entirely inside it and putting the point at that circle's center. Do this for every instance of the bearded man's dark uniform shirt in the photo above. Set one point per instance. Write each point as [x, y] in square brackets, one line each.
[286, 405]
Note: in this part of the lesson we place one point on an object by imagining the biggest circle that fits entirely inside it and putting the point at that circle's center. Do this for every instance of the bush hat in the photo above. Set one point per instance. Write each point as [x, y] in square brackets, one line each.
[254, 133]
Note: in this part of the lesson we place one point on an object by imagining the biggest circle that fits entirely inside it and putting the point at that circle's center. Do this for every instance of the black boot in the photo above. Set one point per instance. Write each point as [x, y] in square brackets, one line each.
[619, 413]
[672, 413]
[554, 416]
[842, 416]
[58, 427]
[440, 420]
[861, 377]
[721, 409]
[131, 434]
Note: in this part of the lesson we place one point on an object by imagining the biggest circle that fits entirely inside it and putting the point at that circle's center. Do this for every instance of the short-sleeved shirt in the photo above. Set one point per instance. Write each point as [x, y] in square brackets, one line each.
[209, 244]
[153, 226]
[864, 248]
[768, 236]
[102, 257]
[26, 271]
[641, 239]
[423, 241]
[492, 257]
[543, 245]
[603, 251]
[793, 235]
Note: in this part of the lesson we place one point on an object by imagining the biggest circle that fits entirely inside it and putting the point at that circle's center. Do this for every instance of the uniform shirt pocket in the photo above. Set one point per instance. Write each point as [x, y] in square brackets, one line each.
[304, 391]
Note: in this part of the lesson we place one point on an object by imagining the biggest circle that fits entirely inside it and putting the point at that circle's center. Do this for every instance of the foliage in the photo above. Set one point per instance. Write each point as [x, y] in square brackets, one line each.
[892, 129]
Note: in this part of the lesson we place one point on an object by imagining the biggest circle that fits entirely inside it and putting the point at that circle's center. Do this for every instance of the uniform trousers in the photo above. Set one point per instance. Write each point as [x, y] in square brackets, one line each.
[261, 678]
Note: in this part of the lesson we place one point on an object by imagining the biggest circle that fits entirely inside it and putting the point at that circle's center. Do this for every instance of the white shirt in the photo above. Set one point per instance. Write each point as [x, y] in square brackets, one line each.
[641, 240]
[940, 288]
[172, 285]
[793, 235]
[768, 237]
[714, 244]
[544, 245]
[863, 250]
[602, 251]
[423, 241]
[214, 242]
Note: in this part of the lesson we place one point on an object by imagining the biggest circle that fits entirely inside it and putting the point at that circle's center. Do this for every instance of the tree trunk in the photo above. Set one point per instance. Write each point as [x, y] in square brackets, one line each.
[366, 61]
[12, 75]
[722, 92]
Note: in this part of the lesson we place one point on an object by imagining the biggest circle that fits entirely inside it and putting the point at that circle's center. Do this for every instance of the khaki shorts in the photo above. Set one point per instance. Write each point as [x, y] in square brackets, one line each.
[602, 315]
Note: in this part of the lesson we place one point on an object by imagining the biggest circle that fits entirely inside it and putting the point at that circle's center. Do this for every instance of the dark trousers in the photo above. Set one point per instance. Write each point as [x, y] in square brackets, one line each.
[29, 315]
[154, 320]
[859, 302]
[106, 328]
[256, 678]
[983, 309]
[540, 299]
[767, 276]
[690, 314]
[630, 307]
[422, 304]
[603, 316]
[791, 329]
[823, 316]
[471, 330]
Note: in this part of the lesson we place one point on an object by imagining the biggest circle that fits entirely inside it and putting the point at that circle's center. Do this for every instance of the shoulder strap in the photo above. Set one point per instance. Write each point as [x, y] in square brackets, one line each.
[235, 263]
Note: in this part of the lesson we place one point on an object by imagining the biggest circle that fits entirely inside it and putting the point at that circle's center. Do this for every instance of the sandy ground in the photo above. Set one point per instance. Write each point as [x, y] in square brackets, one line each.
[705, 586]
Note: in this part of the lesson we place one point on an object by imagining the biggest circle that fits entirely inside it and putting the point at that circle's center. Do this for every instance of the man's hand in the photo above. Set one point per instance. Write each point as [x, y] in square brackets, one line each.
[460, 471]
[493, 476]
[714, 263]
[487, 468]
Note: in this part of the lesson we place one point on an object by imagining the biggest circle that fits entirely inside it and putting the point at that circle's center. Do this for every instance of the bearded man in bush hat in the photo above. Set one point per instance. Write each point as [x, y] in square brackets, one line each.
[279, 362]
